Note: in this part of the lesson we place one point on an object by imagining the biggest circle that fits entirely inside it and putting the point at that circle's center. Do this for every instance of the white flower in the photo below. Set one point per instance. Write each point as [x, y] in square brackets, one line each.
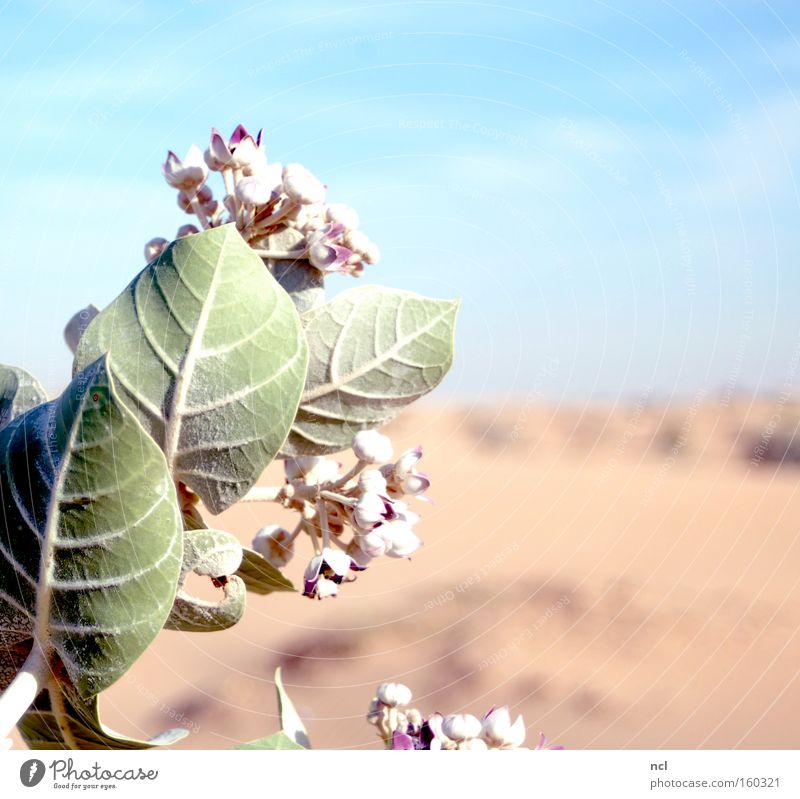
[339, 212]
[273, 544]
[372, 509]
[253, 191]
[393, 694]
[325, 572]
[371, 480]
[403, 542]
[499, 732]
[373, 544]
[188, 173]
[154, 248]
[372, 446]
[300, 185]
[461, 727]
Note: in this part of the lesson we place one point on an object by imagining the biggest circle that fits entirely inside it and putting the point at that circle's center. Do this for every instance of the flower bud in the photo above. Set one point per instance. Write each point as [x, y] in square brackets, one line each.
[274, 545]
[253, 191]
[461, 726]
[499, 732]
[300, 185]
[186, 230]
[372, 446]
[218, 154]
[372, 481]
[188, 173]
[344, 214]
[393, 694]
[154, 248]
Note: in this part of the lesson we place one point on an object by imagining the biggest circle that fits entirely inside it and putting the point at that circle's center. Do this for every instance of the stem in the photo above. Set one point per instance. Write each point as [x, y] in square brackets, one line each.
[343, 481]
[19, 695]
[199, 212]
[227, 179]
[311, 529]
[342, 500]
[322, 511]
[265, 494]
[297, 530]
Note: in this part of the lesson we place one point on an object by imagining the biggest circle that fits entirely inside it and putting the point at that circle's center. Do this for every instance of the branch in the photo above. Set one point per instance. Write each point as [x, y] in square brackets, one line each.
[21, 692]
[266, 494]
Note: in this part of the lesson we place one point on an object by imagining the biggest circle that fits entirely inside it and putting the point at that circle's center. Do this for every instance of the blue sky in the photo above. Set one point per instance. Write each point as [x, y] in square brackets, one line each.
[610, 187]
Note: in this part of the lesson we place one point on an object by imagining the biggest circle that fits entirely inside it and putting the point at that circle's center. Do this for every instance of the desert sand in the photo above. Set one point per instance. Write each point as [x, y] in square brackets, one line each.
[624, 577]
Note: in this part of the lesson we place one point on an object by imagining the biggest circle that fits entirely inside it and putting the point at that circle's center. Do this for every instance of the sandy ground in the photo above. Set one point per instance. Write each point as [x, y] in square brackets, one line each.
[623, 577]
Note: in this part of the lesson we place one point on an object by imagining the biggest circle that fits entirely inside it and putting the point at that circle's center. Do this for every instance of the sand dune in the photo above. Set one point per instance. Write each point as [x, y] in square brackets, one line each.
[624, 577]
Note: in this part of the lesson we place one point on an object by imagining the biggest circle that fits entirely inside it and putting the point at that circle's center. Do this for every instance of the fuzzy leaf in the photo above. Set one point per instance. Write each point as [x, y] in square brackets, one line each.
[278, 740]
[208, 350]
[90, 540]
[42, 728]
[216, 554]
[372, 352]
[260, 576]
[291, 723]
[19, 392]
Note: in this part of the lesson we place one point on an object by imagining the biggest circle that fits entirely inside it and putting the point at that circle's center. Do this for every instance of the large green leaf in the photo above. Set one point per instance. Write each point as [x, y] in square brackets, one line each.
[78, 725]
[90, 539]
[215, 554]
[19, 392]
[372, 352]
[209, 351]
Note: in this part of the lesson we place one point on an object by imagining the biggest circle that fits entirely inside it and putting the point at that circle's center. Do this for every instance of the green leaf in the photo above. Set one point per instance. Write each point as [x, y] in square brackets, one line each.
[260, 576]
[372, 352]
[278, 740]
[19, 392]
[208, 350]
[78, 725]
[216, 554]
[291, 723]
[90, 538]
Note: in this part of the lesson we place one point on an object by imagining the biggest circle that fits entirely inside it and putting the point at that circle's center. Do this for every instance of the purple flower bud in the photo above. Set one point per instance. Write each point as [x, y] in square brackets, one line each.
[186, 230]
[300, 185]
[253, 191]
[154, 248]
[186, 174]
[274, 545]
[372, 446]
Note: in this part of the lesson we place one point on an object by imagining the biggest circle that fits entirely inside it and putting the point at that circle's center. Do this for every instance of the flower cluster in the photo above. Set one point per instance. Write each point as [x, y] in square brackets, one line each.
[281, 211]
[367, 502]
[403, 727]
